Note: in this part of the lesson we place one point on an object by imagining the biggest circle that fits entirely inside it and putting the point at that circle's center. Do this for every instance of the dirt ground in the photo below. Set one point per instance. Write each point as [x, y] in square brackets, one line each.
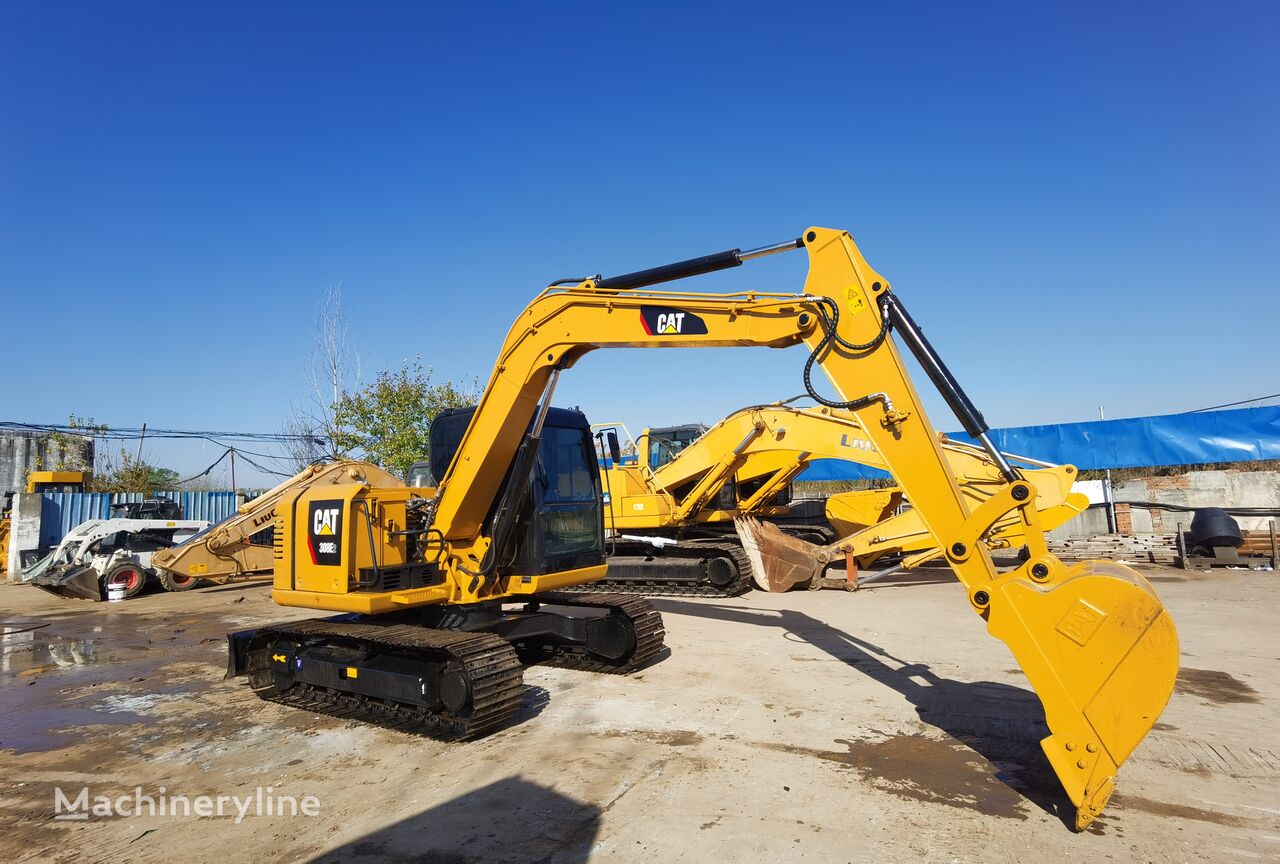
[882, 725]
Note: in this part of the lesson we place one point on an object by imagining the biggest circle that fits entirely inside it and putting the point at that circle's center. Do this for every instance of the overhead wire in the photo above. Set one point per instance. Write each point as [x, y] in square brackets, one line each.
[1233, 404]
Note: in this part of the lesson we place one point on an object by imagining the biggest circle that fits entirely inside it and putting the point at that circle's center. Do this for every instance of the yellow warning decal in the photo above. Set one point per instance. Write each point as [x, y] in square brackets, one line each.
[353, 672]
[856, 303]
[279, 658]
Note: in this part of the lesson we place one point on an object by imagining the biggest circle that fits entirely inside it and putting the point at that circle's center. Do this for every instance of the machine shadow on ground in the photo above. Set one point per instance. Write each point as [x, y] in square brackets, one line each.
[1002, 723]
[510, 820]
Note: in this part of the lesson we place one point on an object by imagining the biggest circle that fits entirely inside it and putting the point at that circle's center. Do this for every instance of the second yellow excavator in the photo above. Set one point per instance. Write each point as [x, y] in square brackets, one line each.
[447, 590]
[226, 552]
[674, 503]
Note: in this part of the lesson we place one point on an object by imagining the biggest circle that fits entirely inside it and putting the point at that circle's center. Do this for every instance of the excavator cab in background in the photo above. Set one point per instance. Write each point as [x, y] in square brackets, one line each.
[37, 481]
[666, 442]
[57, 481]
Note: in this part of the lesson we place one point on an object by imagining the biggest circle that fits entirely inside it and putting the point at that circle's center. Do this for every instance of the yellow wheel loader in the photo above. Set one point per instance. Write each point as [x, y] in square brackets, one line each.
[674, 504]
[445, 592]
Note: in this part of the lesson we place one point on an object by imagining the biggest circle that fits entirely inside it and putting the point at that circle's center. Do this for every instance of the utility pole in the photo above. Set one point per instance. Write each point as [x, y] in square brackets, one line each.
[233, 470]
[1106, 491]
[141, 438]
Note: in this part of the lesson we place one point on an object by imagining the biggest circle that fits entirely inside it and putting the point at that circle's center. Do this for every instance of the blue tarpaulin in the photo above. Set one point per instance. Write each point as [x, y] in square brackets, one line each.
[1240, 435]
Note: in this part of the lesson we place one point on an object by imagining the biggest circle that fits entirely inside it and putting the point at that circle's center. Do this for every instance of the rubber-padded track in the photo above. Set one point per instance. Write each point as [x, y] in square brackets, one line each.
[645, 621]
[489, 663]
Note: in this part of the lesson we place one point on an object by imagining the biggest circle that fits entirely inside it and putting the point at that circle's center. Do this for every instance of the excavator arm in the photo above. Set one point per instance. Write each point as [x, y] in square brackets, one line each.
[1093, 639]
[223, 553]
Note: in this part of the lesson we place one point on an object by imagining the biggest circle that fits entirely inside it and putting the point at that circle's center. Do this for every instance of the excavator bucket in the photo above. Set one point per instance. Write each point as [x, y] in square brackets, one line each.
[779, 561]
[71, 581]
[1101, 652]
[852, 511]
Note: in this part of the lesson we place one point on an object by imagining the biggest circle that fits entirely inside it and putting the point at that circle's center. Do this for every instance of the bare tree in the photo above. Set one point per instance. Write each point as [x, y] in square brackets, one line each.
[332, 368]
[310, 444]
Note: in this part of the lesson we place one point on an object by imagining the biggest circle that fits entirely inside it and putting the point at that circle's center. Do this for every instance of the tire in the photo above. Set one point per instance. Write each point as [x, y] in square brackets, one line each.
[171, 581]
[133, 577]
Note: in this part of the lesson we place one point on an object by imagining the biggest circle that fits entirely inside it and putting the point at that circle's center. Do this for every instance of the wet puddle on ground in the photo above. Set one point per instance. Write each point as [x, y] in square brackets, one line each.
[32, 648]
[925, 769]
[1218, 687]
[56, 687]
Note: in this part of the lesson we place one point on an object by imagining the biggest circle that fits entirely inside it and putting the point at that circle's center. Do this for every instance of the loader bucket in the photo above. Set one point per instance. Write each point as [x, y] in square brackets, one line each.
[779, 561]
[74, 582]
[1101, 652]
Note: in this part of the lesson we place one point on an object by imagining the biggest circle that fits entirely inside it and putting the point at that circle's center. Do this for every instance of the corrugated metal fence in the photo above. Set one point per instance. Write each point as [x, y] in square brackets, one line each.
[62, 511]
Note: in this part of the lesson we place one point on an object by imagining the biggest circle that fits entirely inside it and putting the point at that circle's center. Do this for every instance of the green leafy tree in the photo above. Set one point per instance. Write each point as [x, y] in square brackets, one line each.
[388, 420]
[131, 474]
[164, 479]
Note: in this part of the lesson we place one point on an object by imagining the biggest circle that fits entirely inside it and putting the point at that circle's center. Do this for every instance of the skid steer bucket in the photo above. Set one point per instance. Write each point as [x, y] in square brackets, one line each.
[72, 581]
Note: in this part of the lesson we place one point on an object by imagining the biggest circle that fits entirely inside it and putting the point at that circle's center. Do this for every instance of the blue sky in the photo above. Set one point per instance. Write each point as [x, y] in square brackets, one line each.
[1077, 201]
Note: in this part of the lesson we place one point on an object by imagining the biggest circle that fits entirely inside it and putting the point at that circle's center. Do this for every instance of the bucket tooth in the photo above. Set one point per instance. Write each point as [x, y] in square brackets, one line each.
[778, 561]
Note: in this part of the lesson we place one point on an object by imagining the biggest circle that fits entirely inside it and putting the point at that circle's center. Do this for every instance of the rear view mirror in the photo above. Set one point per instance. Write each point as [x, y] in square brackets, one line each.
[615, 452]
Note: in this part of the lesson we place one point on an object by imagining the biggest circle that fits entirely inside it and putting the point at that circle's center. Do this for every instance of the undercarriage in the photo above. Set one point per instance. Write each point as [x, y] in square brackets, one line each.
[449, 672]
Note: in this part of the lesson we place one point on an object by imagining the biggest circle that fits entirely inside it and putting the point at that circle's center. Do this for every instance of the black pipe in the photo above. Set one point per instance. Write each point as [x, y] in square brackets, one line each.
[1183, 508]
[968, 414]
[669, 272]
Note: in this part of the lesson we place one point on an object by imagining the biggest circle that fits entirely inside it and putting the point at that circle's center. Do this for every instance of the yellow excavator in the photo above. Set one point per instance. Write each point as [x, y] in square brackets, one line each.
[225, 552]
[448, 590]
[221, 553]
[674, 503]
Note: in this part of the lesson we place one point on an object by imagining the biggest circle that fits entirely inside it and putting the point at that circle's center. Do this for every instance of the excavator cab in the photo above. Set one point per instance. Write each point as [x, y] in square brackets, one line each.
[561, 526]
[57, 481]
[665, 443]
